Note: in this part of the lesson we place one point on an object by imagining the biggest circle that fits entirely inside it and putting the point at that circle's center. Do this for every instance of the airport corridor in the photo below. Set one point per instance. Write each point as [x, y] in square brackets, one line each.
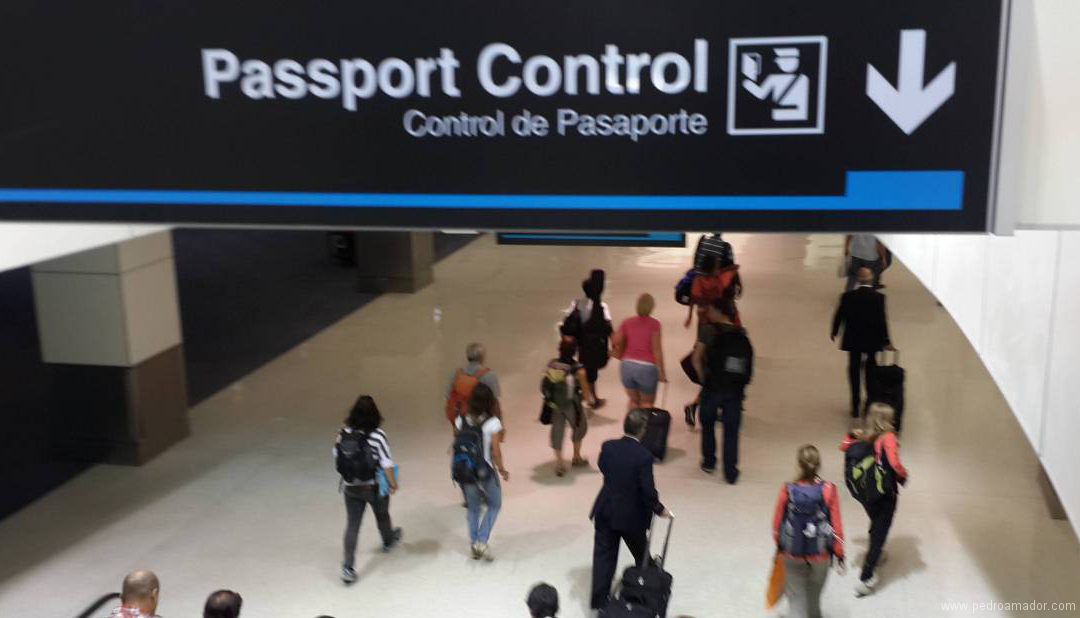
[250, 501]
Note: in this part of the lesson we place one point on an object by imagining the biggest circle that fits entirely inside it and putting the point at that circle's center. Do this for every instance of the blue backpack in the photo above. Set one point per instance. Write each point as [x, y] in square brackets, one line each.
[468, 465]
[684, 288]
[806, 530]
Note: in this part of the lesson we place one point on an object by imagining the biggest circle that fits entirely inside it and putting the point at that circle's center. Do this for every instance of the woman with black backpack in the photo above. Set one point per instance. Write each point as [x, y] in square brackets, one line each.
[477, 458]
[361, 455]
[877, 440]
[809, 534]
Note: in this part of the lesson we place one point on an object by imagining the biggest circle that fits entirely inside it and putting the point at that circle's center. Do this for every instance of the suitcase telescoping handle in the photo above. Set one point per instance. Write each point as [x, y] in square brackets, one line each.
[884, 355]
[667, 539]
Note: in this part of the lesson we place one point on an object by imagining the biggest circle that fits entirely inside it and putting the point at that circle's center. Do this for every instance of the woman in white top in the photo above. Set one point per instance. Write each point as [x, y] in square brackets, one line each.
[480, 416]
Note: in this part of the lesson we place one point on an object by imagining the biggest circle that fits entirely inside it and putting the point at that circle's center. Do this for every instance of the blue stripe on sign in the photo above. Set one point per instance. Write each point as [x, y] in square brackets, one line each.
[649, 237]
[879, 191]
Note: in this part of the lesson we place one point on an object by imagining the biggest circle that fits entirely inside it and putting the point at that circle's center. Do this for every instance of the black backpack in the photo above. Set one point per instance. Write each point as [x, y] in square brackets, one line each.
[730, 359]
[867, 479]
[468, 464]
[356, 459]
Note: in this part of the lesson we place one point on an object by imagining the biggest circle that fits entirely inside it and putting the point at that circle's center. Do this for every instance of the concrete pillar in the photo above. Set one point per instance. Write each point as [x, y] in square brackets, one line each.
[394, 261]
[109, 323]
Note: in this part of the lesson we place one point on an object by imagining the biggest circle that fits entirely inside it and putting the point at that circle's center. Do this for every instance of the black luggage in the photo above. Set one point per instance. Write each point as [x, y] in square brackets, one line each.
[885, 384]
[648, 585]
[621, 609]
[657, 429]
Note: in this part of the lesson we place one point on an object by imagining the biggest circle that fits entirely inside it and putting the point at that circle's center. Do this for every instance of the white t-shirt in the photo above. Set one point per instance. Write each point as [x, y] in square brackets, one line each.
[490, 428]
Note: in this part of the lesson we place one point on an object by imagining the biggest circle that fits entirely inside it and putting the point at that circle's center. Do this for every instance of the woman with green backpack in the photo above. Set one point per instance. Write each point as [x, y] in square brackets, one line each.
[879, 492]
[564, 386]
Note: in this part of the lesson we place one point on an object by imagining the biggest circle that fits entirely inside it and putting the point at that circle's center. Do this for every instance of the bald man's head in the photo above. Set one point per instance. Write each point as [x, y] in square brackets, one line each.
[865, 276]
[141, 590]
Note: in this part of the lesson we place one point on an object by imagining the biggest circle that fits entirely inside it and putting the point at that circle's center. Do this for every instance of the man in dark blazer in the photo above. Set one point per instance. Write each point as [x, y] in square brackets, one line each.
[626, 503]
[866, 331]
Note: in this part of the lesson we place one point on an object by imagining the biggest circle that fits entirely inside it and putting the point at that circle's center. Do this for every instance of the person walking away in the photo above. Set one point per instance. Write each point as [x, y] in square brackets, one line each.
[543, 601]
[809, 534]
[465, 379]
[139, 596]
[477, 457]
[724, 357]
[625, 505]
[223, 604]
[864, 251]
[714, 282]
[879, 432]
[638, 347]
[716, 246]
[361, 453]
[564, 387]
[861, 313]
[588, 324]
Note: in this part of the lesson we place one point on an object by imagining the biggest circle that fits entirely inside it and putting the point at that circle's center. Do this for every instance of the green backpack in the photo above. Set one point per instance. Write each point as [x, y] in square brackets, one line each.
[867, 479]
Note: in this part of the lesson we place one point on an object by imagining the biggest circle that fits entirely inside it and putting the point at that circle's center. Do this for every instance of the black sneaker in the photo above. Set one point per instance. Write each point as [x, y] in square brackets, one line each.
[691, 414]
[707, 469]
[395, 539]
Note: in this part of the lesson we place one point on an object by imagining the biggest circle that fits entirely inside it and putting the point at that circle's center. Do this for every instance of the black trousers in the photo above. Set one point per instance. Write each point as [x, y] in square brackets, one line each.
[881, 517]
[856, 366]
[356, 500]
[606, 558]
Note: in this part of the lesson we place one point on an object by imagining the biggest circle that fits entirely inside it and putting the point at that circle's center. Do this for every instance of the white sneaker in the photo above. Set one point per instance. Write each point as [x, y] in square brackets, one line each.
[865, 588]
[476, 553]
[485, 552]
[348, 575]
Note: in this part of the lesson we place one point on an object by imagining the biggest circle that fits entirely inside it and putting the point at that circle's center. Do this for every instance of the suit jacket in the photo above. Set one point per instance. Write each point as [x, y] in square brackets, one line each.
[628, 499]
[862, 314]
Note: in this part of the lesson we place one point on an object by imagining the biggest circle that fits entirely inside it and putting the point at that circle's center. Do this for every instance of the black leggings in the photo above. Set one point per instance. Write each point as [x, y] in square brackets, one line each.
[881, 517]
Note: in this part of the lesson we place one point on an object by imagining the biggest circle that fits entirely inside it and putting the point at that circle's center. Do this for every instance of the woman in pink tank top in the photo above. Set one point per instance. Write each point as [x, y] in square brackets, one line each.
[637, 344]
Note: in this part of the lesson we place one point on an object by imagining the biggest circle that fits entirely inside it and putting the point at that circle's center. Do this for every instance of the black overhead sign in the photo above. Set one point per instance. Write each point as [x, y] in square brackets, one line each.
[622, 115]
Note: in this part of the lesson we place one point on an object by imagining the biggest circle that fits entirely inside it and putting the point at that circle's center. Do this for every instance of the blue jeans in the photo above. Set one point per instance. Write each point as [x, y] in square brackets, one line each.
[725, 406]
[476, 494]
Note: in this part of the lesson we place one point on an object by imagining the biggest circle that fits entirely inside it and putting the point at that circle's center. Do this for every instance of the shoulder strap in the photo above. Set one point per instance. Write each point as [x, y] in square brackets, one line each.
[483, 372]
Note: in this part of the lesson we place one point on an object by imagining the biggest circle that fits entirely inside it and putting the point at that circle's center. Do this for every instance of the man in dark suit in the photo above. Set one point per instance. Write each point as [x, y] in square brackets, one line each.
[866, 331]
[626, 503]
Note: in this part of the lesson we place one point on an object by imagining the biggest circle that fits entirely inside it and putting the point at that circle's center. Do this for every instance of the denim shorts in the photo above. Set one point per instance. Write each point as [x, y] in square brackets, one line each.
[641, 377]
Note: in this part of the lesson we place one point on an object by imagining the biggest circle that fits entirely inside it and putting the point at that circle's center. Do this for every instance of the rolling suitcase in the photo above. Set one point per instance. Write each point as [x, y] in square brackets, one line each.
[657, 430]
[885, 384]
[649, 585]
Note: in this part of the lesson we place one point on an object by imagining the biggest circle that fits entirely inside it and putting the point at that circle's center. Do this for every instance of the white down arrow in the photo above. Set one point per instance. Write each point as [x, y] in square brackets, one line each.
[911, 102]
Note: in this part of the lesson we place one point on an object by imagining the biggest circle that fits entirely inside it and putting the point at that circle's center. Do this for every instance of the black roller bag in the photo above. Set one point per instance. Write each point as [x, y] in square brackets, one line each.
[646, 586]
[885, 384]
[657, 429]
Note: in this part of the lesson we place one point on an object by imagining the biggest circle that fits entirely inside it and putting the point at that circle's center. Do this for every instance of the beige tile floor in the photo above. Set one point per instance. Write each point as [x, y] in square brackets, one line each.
[249, 502]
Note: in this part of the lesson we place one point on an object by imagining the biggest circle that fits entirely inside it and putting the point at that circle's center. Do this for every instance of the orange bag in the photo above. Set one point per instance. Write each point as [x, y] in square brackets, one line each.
[464, 385]
[776, 583]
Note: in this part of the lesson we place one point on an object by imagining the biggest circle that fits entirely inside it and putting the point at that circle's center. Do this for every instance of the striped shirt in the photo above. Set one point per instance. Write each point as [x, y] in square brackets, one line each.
[377, 441]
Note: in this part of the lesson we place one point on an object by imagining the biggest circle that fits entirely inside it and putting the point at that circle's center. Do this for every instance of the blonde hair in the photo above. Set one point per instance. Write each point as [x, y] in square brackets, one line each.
[809, 460]
[880, 420]
[645, 305]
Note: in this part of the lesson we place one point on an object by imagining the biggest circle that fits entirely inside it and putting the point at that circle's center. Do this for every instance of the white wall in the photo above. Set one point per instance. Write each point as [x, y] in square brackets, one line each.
[1017, 299]
[22, 244]
[1041, 133]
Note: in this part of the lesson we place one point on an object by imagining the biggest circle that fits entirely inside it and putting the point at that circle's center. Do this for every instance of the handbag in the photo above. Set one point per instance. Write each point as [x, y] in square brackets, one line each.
[545, 413]
[777, 579]
[687, 364]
